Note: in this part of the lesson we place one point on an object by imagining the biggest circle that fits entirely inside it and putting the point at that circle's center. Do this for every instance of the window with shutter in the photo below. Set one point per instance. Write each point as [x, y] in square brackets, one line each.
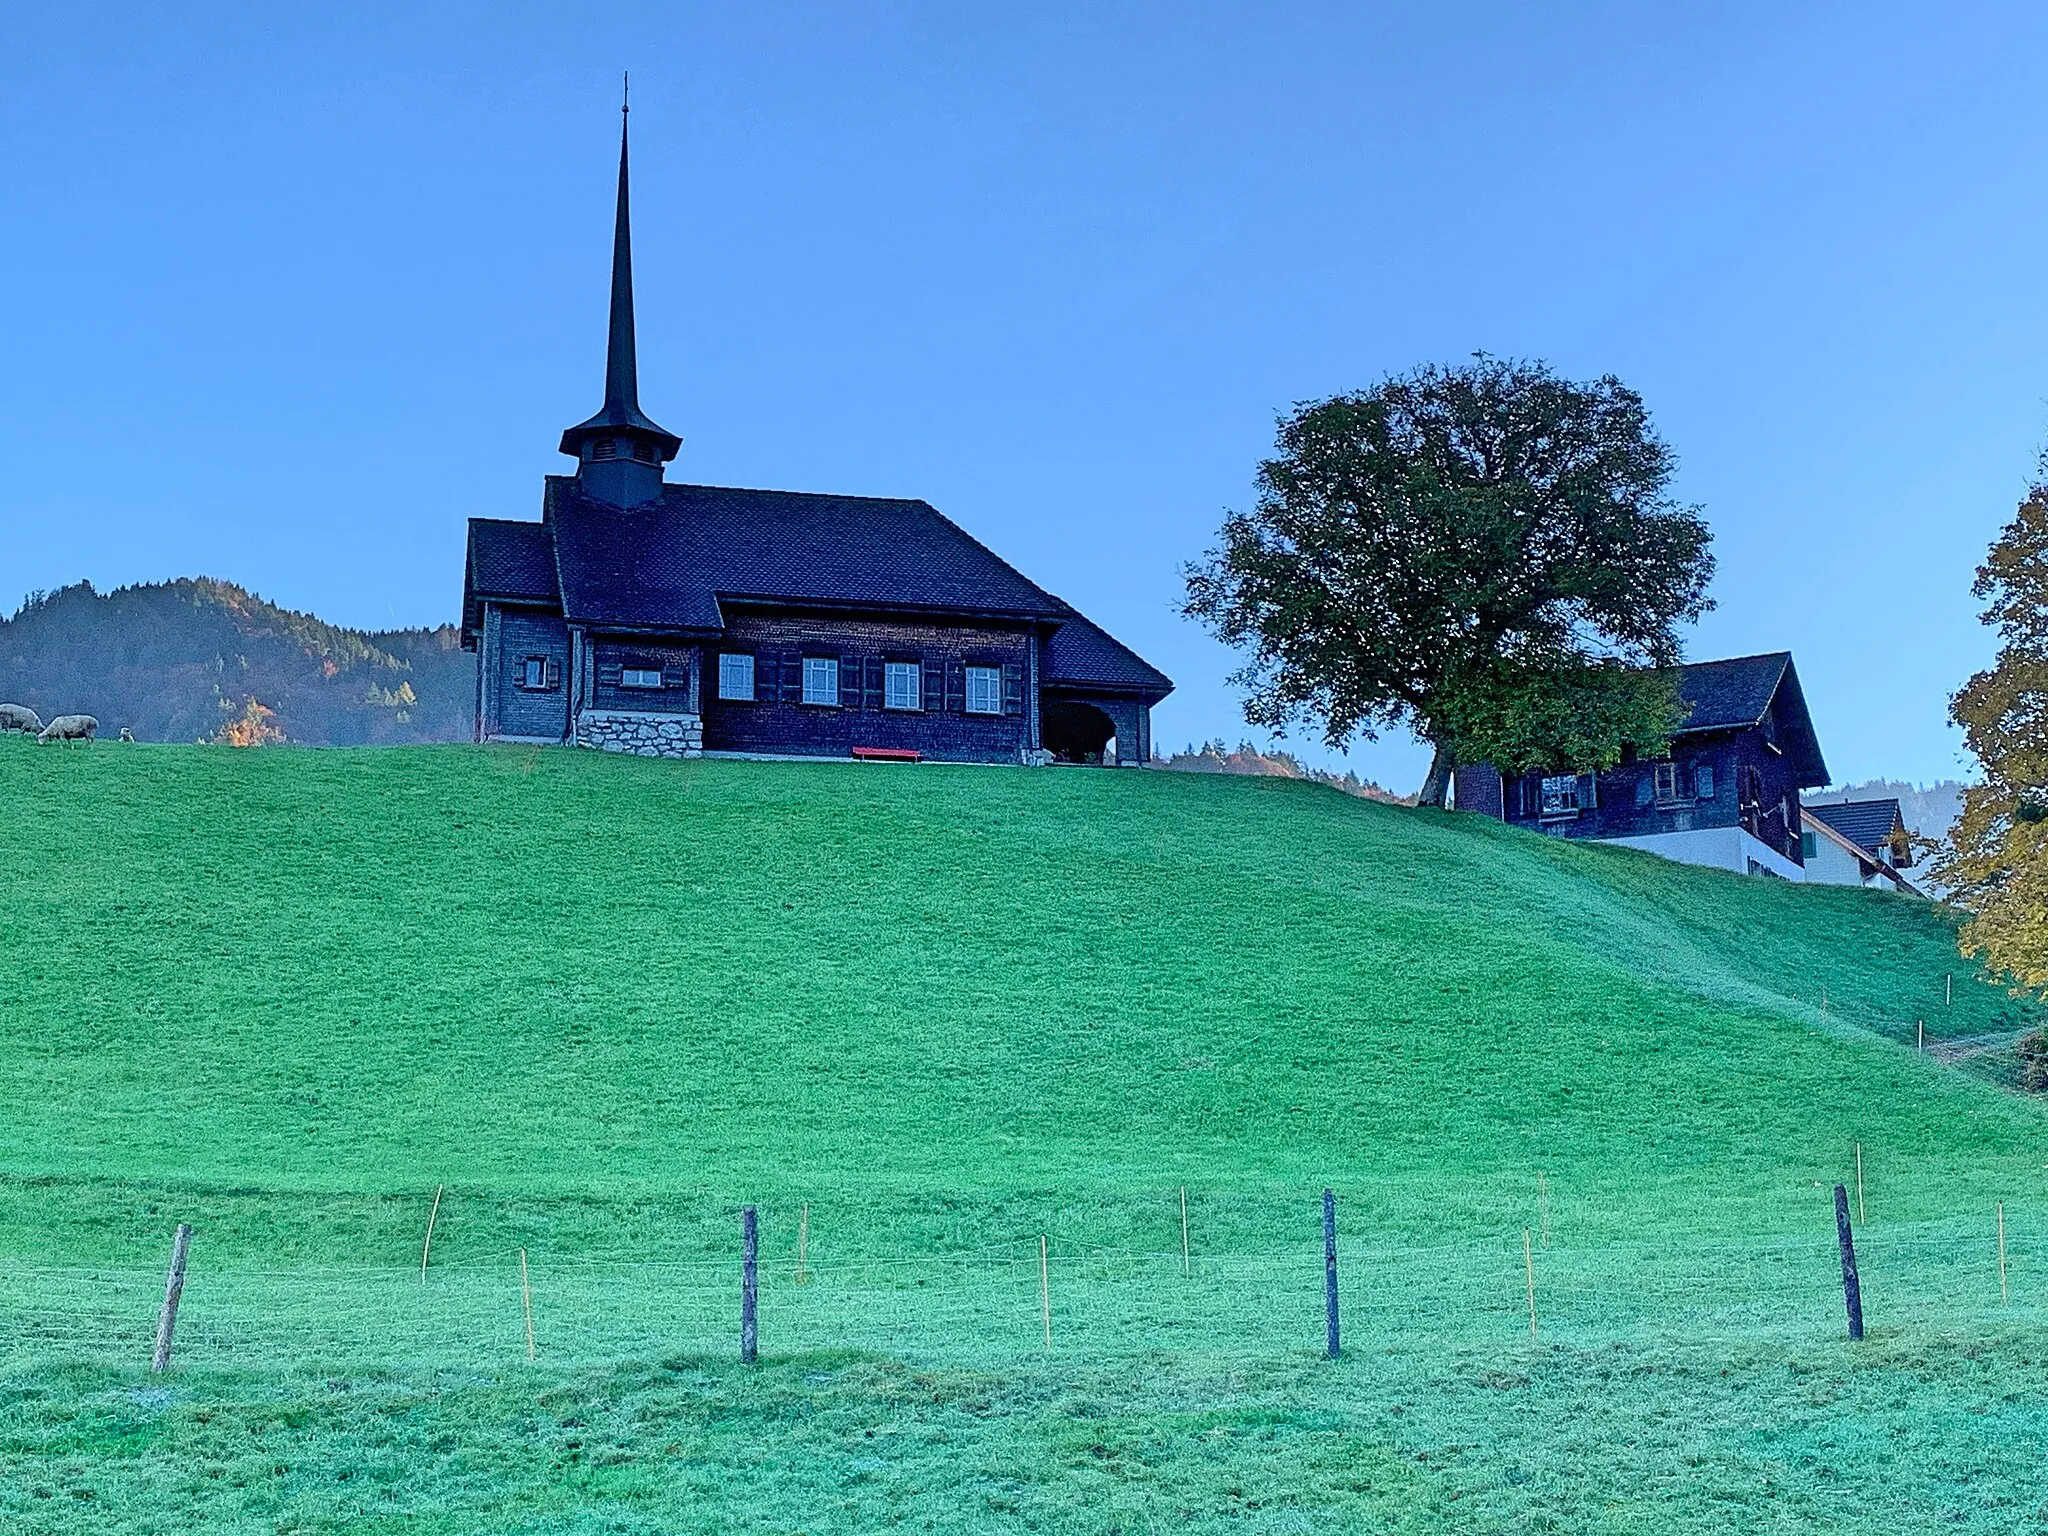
[792, 677]
[1013, 689]
[902, 686]
[849, 682]
[956, 687]
[932, 680]
[821, 680]
[984, 690]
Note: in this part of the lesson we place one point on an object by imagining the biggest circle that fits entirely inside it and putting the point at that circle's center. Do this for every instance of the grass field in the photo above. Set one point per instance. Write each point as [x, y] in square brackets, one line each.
[285, 995]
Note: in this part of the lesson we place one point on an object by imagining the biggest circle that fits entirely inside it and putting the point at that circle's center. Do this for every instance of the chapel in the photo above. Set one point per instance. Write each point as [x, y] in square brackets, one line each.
[642, 615]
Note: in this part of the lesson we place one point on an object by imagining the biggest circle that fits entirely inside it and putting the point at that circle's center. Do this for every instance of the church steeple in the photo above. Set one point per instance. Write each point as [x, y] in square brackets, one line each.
[619, 451]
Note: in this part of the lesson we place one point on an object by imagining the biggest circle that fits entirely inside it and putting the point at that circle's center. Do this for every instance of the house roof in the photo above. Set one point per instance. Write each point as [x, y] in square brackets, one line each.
[1083, 655]
[1867, 862]
[1740, 692]
[682, 562]
[1866, 823]
[509, 560]
[678, 561]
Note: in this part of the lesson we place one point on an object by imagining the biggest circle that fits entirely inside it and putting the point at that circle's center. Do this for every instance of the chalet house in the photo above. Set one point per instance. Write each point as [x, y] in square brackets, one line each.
[1727, 796]
[1858, 842]
[673, 620]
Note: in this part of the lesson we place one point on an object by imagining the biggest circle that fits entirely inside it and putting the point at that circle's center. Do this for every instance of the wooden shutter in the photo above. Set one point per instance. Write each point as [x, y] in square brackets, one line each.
[931, 678]
[956, 686]
[849, 682]
[1013, 688]
[1589, 798]
[551, 674]
[792, 677]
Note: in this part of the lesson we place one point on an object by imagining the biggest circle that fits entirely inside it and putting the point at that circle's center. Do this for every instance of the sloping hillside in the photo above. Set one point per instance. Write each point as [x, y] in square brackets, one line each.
[203, 660]
[921, 1017]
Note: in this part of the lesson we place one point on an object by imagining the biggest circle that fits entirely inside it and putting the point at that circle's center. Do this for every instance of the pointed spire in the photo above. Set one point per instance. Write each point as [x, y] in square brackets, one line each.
[621, 367]
[620, 432]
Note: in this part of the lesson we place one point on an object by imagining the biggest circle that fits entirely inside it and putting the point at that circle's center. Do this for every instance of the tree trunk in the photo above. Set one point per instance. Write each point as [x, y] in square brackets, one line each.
[1437, 786]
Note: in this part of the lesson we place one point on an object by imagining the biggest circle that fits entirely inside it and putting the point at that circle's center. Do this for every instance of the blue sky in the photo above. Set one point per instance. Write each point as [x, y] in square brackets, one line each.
[291, 294]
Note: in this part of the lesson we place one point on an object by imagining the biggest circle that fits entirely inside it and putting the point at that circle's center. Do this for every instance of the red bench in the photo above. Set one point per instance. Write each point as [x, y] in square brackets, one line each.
[888, 755]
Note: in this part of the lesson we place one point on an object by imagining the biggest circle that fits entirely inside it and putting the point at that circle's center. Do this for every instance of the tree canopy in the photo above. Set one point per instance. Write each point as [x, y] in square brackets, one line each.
[1486, 554]
[1996, 860]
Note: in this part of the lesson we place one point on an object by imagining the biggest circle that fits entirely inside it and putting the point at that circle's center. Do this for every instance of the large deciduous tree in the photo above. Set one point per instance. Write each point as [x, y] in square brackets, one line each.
[1995, 862]
[1486, 554]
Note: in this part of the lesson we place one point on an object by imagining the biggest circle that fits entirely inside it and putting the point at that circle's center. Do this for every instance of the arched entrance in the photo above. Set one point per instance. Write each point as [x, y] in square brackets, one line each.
[1074, 732]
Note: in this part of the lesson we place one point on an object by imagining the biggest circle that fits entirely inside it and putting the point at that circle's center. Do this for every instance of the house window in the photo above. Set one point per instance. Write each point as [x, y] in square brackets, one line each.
[1809, 845]
[984, 690]
[534, 673]
[902, 685]
[1703, 780]
[1561, 795]
[736, 677]
[640, 677]
[821, 680]
[1666, 776]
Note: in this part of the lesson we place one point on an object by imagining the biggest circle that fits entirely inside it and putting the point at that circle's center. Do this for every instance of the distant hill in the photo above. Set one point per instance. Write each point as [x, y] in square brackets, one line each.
[203, 660]
[1214, 757]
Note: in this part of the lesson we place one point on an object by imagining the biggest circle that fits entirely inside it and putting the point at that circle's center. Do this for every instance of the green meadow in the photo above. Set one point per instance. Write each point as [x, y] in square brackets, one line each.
[923, 1018]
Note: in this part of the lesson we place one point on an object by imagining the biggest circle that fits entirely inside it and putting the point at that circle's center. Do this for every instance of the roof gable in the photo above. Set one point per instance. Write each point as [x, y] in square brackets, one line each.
[1744, 692]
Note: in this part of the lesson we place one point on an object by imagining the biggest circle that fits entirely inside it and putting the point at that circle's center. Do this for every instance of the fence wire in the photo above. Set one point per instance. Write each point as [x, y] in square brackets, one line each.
[988, 1307]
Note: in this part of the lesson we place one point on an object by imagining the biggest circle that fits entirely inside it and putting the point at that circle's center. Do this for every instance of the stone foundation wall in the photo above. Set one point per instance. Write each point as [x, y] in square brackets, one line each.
[641, 733]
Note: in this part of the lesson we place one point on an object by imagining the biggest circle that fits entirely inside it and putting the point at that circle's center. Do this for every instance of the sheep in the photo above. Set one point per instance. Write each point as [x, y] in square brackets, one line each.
[70, 728]
[126, 734]
[19, 717]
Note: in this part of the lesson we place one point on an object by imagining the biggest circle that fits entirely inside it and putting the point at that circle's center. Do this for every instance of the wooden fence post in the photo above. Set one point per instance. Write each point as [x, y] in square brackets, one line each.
[1543, 1206]
[1044, 1291]
[429, 1243]
[1852, 1292]
[526, 1302]
[1948, 990]
[750, 1253]
[1529, 1272]
[1184, 1230]
[2004, 1297]
[174, 1288]
[803, 1243]
[1330, 1270]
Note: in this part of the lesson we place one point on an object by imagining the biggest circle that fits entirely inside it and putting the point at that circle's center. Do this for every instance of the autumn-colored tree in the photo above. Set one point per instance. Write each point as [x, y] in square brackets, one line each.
[255, 726]
[1996, 860]
[1487, 555]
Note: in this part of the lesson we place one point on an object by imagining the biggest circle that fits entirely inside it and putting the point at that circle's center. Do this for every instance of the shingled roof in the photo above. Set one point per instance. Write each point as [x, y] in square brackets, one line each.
[678, 564]
[1082, 655]
[1738, 692]
[1869, 824]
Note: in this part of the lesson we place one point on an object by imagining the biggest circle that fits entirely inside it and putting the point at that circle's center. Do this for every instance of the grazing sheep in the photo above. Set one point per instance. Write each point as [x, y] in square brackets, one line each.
[70, 728]
[19, 717]
[126, 734]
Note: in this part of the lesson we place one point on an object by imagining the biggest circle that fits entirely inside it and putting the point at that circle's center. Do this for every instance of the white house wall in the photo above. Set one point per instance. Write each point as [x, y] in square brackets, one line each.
[1717, 848]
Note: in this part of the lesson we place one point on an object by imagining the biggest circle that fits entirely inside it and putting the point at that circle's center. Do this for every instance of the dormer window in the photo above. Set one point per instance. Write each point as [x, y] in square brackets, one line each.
[604, 448]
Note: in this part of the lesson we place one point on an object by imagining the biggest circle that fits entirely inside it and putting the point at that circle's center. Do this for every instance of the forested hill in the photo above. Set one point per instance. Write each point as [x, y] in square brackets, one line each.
[203, 660]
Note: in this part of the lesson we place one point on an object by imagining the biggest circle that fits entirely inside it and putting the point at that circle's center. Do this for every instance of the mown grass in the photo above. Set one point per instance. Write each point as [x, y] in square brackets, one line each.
[284, 995]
